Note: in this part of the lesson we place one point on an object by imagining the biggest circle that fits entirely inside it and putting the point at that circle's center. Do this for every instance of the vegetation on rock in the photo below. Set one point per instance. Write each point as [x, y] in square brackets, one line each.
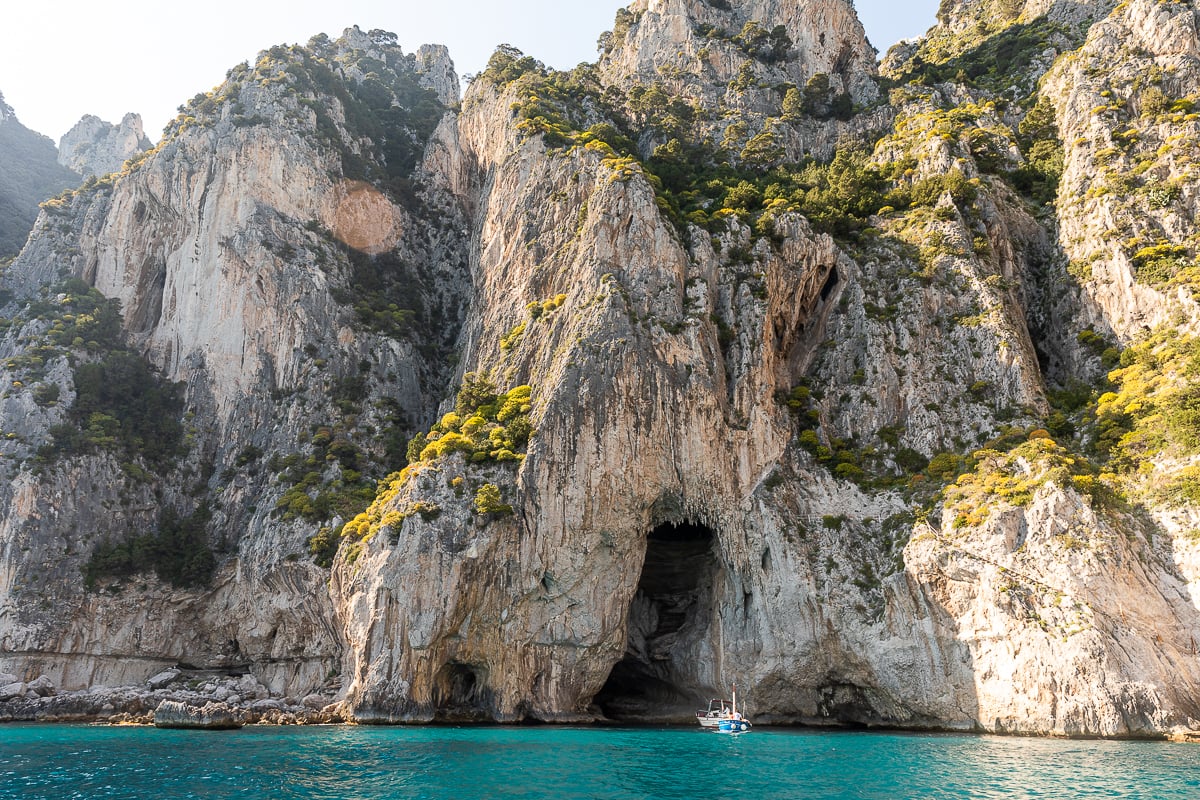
[31, 174]
[486, 427]
[121, 404]
[178, 552]
[1012, 478]
[385, 109]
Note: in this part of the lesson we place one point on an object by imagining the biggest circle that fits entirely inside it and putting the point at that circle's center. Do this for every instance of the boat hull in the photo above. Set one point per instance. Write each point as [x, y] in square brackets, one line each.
[733, 726]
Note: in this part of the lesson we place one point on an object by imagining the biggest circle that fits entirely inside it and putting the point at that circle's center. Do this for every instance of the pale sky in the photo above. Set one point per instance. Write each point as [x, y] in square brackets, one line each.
[61, 59]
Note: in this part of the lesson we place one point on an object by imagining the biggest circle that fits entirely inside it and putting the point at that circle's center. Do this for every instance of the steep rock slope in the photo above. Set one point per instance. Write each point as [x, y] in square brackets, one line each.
[30, 176]
[802, 588]
[252, 261]
[1128, 204]
[764, 375]
[703, 46]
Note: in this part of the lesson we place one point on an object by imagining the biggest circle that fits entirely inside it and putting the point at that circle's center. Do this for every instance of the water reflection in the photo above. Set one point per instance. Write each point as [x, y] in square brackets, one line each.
[54, 762]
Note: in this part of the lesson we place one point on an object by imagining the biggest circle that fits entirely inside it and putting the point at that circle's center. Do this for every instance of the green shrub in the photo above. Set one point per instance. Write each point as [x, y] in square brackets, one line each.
[323, 546]
[1038, 136]
[46, 394]
[486, 426]
[1157, 265]
[309, 495]
[509, 340]
[248, 455]
[946, 466]
[911, 461]
[848, 471]
[489, 501]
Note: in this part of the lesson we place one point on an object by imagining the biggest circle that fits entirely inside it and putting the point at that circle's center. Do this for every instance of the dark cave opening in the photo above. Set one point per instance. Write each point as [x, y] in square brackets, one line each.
[660, 677]
[831, 283]
[460, 695]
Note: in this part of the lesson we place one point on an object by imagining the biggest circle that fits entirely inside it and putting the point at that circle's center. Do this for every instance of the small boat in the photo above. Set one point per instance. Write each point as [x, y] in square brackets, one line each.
[723, 718]
[711, 717]
[733, 725]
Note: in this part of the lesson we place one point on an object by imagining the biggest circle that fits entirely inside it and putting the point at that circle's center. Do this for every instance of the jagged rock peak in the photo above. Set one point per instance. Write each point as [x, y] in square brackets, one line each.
[957, 16]
[431, 62]
[436, 69]
[1040, 29]
[96, 147]
[5, 110]
[713, 40]
[374, 42]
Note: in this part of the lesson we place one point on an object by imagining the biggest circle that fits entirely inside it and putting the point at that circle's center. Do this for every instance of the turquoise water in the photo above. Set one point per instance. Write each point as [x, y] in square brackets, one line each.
[44, 762]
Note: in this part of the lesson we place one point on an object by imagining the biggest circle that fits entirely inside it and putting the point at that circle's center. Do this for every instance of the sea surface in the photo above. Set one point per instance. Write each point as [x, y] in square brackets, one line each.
[47, 762]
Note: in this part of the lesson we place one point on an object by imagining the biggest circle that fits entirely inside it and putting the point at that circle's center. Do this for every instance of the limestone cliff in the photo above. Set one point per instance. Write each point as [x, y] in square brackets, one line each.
[706, 45]
[963, 16]
[715, 364]
[234, 256]
[1128, 180]
[94, 147]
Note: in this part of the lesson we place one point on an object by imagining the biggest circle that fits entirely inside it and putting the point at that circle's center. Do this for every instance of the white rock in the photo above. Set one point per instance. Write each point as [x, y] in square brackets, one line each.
[11, 690]
[96, 147]
[43, 686]
[210, 716]
[163, 678]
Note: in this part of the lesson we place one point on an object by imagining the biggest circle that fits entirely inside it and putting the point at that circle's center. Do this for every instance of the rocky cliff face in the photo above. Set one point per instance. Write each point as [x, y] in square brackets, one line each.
[762, 377]
[961, 16]
[234, 255]
[1128, 183]
[706, 45]
[30, 176]
[95, 147]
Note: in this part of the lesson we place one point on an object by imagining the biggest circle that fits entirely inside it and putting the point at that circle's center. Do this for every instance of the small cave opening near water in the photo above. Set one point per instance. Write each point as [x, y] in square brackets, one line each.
[460, 694]
[661, 676]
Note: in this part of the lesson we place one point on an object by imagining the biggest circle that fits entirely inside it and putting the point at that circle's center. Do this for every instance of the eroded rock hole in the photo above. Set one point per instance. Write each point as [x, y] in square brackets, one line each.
[460, 695]
[664, 675]
[831, 284]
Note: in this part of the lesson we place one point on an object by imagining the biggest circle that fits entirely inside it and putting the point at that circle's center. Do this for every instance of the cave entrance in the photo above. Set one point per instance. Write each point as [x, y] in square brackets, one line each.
[663, 676]
[460, 694]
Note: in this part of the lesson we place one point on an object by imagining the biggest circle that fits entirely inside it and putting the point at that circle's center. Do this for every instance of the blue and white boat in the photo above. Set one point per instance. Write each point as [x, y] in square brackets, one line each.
[733, 726]
[724, 719]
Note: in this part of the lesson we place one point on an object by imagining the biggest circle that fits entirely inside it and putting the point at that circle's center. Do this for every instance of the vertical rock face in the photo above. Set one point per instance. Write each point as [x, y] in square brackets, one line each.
[539, 606]
[95, 147]
[234, 254]
[573, 608]
[437, 73]
[1128, 181]
[696, 47]
[765, 379]
[960, 16]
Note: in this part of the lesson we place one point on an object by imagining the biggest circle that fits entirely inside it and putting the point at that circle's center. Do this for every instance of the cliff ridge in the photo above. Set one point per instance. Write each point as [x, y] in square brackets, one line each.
[723, 360]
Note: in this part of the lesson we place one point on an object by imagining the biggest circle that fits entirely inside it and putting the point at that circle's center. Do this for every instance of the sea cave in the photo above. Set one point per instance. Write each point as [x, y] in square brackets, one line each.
[666, 671]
